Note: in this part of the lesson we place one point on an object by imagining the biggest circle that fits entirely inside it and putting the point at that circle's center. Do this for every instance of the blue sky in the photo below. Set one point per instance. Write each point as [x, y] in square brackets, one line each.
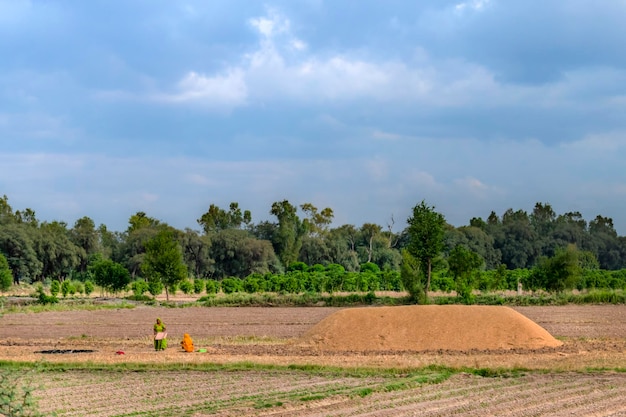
[112, 107]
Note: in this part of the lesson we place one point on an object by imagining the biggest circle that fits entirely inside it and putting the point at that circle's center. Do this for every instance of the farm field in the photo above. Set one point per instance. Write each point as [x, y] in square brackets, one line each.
[280, 374]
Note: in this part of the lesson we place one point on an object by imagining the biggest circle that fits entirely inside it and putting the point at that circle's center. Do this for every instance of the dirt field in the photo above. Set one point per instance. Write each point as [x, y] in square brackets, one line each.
[593, 337]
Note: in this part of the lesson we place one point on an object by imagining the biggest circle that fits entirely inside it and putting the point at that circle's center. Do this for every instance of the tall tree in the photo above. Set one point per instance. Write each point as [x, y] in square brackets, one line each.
[238, 254]
[141, 220]
[17, 243]
[163, 260]
[217, 219]
[6, 278]
[85, 236]
[517, 240]
[426, 233]
[196, 253]
[368, 233]
[59, 255]
[6, 211]
[462, 264]
[288, 237]
[605, 243]
[317, 222]
[342, 243]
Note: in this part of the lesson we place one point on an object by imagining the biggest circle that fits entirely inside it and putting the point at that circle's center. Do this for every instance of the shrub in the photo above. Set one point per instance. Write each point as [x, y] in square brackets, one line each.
[139, 287]
[198, 285]
[231, 285]
[89, 287]
[79, 287]
[186, 286]
[66, 288]
[55, 288]
[212, 286]
[43, 298]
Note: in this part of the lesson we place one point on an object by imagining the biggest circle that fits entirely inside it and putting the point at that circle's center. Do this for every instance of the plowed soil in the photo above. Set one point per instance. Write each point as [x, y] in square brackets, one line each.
[591, 336]
[587, 337]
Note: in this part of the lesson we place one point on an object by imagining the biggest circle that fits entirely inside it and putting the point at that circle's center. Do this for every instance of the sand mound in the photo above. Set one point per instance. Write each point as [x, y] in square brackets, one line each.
[419, 328]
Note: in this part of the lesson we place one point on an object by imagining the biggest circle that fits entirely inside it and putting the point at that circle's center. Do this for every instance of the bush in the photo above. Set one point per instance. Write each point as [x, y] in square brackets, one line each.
[55, 288]
[186, 286]
[212, 286]
[139, 287]
[198, 286]
[89, 287]
[43, 298]
[66, 288]
[231, 285]
[79, 287]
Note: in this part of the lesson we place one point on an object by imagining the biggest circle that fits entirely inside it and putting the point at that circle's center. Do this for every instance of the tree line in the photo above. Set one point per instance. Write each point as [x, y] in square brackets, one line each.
[228, 244]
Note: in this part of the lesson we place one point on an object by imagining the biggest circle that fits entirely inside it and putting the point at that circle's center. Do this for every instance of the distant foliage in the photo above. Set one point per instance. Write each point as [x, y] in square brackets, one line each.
[6, 277]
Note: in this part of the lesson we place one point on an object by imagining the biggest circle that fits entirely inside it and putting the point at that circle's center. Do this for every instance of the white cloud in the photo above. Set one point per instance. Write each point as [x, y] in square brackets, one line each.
[219, 92]
[475, 5]
[271, 25]
[271, 73]
[282, 68]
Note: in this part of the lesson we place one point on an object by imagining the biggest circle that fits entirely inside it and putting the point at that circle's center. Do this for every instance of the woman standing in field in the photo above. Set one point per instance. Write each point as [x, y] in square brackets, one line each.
[160, 341]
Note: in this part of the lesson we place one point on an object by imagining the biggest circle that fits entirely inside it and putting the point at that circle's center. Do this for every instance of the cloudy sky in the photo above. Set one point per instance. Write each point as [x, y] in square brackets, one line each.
[111, 107]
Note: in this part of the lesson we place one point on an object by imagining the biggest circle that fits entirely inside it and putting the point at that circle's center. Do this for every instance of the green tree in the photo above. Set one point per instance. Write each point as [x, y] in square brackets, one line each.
[517, 240]
[17, 244]
[85, 236]
[110, 275]
[6, 278]
[560, 272]
[239, 254]
[197, 253]
[217, 219]
[59, 255]
[410, 275]
[342, 244]
[606, 243]
[317, 222]
[463, 263]
[163, 260]
[426, 233]
[288, 237]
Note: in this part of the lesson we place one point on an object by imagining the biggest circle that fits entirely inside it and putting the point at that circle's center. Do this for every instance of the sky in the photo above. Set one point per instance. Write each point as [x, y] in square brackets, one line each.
[110, 107]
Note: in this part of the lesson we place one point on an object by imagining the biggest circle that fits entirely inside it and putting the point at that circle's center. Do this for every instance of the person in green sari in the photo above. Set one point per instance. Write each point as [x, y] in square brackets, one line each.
[160, 343]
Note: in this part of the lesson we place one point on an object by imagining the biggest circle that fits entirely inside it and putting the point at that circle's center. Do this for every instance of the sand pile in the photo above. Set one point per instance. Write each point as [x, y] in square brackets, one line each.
[419, 328]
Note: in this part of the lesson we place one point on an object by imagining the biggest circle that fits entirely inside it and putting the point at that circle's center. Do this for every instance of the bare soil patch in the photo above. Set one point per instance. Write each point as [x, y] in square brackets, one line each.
[591, 336]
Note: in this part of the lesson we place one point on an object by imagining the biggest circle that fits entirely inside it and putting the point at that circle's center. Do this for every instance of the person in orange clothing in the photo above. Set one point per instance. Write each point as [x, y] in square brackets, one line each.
[187, 343]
